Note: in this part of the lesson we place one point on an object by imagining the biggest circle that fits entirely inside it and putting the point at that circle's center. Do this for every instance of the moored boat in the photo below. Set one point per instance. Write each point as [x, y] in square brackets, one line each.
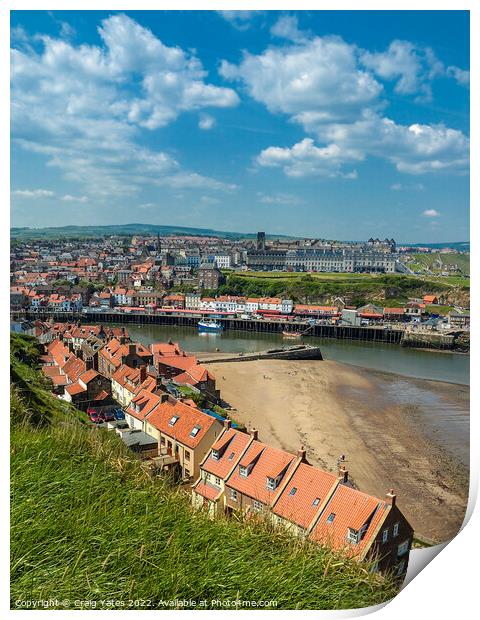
[287, 334]
[209, 326]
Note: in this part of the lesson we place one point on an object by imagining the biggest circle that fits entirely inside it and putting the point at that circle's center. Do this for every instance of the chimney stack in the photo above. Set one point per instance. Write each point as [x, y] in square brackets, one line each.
[343, 474]
[302, 454]
[227, 424]
[89, 363]
[254, 433]
[132, 349]
[143, 373]
[391, 498]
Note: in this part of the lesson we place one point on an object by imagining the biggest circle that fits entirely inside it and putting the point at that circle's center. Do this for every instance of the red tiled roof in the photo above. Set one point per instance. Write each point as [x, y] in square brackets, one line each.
[165, 348]
[74, 388]
[231, 442]
[146, 402]
[188, 418]
[207, 490]
[311, 484]
[269, 462]
[352, 509]
[87, 376]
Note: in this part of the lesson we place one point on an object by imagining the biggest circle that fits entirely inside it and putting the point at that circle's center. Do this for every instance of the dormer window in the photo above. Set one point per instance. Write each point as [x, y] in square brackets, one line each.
[215, 455]
[352, 535]
[243, 471]
[173, 420]
[272, 483]
[232, 454]
[195, 430]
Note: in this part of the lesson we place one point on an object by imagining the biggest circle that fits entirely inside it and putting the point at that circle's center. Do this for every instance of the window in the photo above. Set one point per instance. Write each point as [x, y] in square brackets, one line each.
[231, 456]
[233, 495]
[186, 455]
[385, 536]
[195, 430]
[257, 505]
[331, 517]
[243, 471]
[403, 548]
[352, 535]
[215, 455]
[395, 529]
[293, 490]
[316, 501]
[173, 420]
[272, 483]
[400, 567]
[217, 481]
[162, 441]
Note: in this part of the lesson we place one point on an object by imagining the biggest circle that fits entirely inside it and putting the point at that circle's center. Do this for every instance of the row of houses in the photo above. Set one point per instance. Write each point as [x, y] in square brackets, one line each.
[230, 471]
[241, 474]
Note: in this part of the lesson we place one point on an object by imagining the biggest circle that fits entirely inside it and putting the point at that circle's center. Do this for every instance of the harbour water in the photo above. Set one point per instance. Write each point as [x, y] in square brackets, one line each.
[421, 364]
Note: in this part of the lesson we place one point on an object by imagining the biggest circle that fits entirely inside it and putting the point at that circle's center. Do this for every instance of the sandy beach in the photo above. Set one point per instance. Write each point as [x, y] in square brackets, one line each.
[396, 432]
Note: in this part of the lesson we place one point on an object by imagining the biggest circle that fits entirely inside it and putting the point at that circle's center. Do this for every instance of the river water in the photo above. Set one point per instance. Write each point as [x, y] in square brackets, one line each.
[450, 367]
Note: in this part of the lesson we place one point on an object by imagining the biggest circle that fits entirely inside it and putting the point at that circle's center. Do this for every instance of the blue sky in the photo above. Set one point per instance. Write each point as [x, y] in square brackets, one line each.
[340, 125]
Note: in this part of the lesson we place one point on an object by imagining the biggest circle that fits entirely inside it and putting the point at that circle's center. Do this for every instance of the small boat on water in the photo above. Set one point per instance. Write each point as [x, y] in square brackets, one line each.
[209, 326]
[287, 334]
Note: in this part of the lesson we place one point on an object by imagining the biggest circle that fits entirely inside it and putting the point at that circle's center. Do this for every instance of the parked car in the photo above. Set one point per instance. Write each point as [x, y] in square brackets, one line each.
[96, 417]
[119, 414]
[108, 416]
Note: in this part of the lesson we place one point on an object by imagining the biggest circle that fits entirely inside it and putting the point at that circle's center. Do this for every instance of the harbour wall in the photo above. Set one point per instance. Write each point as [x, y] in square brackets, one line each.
[340, 332]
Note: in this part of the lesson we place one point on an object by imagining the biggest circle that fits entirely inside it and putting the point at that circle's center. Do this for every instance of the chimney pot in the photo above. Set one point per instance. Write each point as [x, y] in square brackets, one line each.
[254, 433]
[343, 474]
[227, 424]
[302, 454]
[391, 498]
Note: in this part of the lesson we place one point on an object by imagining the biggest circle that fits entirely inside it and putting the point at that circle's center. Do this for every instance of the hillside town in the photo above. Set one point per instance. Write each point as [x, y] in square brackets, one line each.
[166, 408]
[182, 274]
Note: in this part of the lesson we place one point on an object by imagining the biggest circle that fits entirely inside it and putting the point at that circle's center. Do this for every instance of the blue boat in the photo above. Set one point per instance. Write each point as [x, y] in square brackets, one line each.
[209, 326]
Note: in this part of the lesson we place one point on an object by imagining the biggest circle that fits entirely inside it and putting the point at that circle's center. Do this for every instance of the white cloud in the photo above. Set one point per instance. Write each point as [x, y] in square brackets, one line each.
[461, 76]
[241, 20]
[84, 107]
[306, 159]
[287, 28]
[70, 198]
[34, 193]
[278, 199]
[398, 187]
[322, 84]
[431, 213]
[206, 122]
[315, 82]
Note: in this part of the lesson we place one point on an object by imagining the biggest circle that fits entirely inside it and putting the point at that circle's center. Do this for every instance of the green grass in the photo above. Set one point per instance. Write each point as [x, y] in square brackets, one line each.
[437, 309]
[88, 523]
[421, 261]
[357, 289]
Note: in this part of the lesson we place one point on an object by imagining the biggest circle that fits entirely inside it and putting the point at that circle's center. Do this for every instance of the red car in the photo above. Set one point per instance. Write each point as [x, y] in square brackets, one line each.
[95, 416]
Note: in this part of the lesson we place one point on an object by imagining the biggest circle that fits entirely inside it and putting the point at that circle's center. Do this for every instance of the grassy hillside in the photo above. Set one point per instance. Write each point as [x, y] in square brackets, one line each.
[88, 523]
[324, 287]
[433, 262]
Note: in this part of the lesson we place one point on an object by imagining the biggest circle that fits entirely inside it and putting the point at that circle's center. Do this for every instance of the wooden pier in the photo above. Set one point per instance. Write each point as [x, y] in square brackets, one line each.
[339, 332]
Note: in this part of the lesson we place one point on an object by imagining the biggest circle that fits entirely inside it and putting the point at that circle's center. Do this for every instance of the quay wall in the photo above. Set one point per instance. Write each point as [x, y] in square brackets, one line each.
[302, 352]
[339, 332]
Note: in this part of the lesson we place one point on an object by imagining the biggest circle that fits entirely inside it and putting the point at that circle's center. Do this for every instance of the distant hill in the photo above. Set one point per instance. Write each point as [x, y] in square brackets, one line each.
[123, 229]
[157, 229]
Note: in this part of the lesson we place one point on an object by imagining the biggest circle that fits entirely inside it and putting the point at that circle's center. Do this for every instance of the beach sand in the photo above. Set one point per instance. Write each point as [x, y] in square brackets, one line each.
[407, 434]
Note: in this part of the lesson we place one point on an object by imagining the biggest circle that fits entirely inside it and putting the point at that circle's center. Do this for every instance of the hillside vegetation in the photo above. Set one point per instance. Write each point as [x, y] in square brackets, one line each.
[357, 289]
[89, 525]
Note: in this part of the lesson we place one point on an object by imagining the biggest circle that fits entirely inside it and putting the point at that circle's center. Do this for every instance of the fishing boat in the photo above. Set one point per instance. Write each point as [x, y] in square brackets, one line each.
[288, 334]
[209, 326]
